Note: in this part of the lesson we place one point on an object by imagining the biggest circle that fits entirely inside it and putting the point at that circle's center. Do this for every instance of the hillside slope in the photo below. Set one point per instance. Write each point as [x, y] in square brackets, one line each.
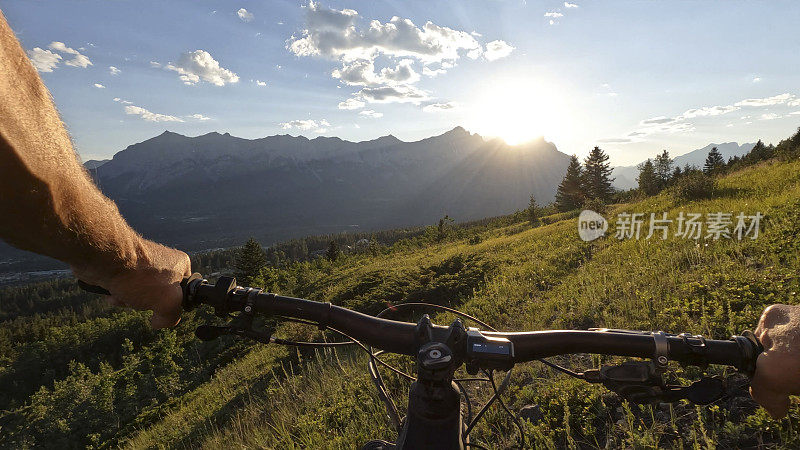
[522, 278]
[103, 379]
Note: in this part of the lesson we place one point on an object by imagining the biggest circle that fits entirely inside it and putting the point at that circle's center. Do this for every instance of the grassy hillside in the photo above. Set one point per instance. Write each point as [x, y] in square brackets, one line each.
[522, 278]
[166, 389]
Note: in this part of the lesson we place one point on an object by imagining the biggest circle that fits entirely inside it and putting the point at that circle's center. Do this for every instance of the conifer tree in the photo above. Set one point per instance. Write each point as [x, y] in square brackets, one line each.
[663, 169]
[597, 176]
[648, 179]
[533, 211]
[714, 162]
[333, 252]
[250, 261]
[570, 194]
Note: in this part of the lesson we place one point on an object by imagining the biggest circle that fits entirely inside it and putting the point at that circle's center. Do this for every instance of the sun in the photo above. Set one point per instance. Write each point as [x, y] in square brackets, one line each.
[518, 110]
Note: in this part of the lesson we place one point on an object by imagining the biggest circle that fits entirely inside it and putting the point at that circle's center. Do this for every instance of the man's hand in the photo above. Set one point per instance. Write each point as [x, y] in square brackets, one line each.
[778, 367]
[51, 206]
[152, 282]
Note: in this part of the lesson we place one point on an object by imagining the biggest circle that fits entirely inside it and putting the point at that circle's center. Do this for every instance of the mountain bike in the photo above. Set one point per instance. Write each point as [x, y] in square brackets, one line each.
[435, 418]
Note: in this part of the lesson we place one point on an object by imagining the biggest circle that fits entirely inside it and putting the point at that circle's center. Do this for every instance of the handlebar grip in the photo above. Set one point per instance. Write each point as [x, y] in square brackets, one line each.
[92, 288]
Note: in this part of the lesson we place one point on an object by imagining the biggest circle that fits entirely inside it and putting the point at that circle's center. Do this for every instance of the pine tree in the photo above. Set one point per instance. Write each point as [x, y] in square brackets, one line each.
[333, 252]
[570, 194]
[648, 178]
[677, 173]
[714, 162]
[533, 211]
[597, 176]
[663, 169]
[250, 261]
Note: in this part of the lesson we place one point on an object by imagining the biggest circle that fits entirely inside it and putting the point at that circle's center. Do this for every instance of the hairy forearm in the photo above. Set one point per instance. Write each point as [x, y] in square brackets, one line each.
[49, 204]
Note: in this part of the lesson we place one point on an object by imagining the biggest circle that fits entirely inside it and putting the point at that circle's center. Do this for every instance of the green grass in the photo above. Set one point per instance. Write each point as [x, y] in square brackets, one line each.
[521, 278]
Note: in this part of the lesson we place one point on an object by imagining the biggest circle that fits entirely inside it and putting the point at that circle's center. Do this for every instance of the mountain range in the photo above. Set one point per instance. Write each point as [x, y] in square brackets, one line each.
[216, 189]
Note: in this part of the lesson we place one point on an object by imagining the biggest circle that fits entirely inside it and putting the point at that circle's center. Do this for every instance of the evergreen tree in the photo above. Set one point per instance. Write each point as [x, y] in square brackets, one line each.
[333, 252]
[677, 173]
[597, 176]
[443, 228]
[663, 169]
[570, 194]
[714, 162]
[250, 261]
[533, 211]
[648, 178]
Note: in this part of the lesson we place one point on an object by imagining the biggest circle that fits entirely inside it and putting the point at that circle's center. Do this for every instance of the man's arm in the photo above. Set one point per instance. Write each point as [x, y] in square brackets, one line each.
[50, 205]
[778, 367]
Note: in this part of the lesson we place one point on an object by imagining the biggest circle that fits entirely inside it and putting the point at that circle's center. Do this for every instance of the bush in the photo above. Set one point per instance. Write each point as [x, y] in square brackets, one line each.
[595, 204]
[695, 186]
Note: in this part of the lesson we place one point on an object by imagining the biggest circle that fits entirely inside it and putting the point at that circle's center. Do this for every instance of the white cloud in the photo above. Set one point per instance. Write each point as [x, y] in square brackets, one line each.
[261, 83]
[553, 14]
[794, 113]
[769, 116]
[200, 65]
[433, 72]
[707, 111]
[245, 15]
[439, 107]
[317, 126]
[155, 64]
[570, 5]
[497, 49]
[351, 103]
[334, 34]
[370, 113]
[43, 60]
[392, 94]
[124, 102]
[78, 59]
[99, 86]
[756, 79]
[150, 116]
[767, 101]
[199, 117]
[657, 121]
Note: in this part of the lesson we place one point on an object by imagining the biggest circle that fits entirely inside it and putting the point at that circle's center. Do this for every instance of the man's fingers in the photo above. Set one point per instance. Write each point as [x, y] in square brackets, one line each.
[776, 404]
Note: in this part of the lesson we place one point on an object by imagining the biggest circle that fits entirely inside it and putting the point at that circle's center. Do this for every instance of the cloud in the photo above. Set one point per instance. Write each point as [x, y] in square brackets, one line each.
[439, 107]
[392, 94]
[307, 125]
[261, 83]
[99, 86]
[615, 141]
[794, 113]
[78, 59]
[155, 64]
[657, 121]
[756, 79]
[124, 102]
[767, 101]
[334, 34]
[113, 70]
[497, 49]
[433, 72]
[245, 15]
[769, 116]
[351, 103]
[43, 60]
[570, 5]
[150, 116]
[709, 111]
[553, 14]
[199, 117]
[200, 65]
[370, 113]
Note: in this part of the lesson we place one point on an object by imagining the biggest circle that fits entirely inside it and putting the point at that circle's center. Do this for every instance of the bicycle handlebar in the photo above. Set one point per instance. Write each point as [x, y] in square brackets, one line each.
[402, 337]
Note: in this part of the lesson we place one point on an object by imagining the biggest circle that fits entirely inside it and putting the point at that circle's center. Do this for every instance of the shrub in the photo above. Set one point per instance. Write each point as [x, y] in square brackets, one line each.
[595, 204]
[695, 186]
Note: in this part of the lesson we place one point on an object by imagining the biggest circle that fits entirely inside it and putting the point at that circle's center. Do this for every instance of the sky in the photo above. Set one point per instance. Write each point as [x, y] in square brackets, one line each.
[633, 77]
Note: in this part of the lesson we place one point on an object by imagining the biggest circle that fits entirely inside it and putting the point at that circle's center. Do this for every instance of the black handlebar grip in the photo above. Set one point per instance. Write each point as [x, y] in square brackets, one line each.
[92, 288]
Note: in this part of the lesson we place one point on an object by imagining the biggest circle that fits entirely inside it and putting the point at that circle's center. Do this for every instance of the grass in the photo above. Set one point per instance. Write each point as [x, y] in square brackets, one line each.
[521, 278]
